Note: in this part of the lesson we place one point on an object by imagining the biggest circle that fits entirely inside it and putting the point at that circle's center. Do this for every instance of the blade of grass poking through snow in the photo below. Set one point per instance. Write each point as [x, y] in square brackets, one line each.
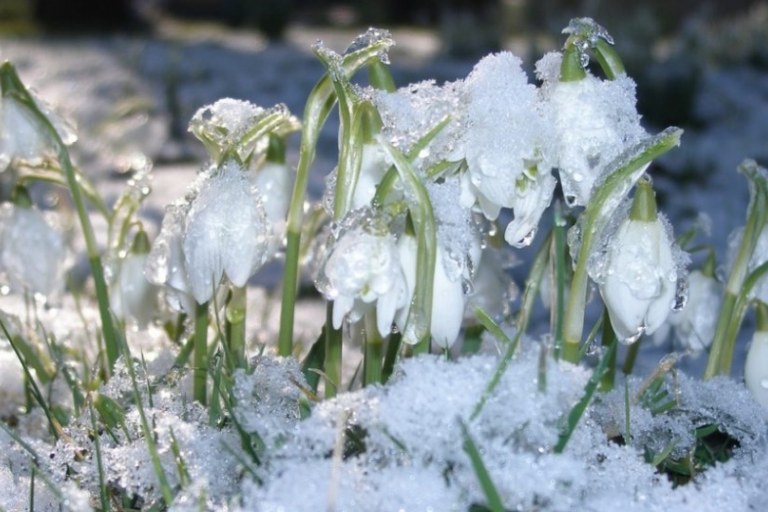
[12, 85]
[200, 362]
[417, 328]
[625, 170]
[574, 416]
[319, 104]
[149, 435]
[757, 216]
[103, 496]
[390, 358]
[489, 488]
[181, 465]
[609, 376]
[538, 268]
[627, 410]
[235, 311]
[314, 361]
[36, 394]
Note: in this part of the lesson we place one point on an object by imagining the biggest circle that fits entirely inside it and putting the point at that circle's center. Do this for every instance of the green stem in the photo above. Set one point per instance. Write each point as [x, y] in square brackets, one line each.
[728, 320]
[631, 357]
[235, 314]
[374, 350]
[318, 107]
[200, 368]
[559, 256]
[614, 188]
[609, 59]
[609, 376]
[333, 355]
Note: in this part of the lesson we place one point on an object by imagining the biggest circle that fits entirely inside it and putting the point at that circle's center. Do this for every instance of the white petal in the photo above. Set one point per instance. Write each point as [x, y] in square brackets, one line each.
[661, 306]
[406, 248]
[756, 369]
[341, 306]
[275, 184]
[372, 169]
[447, 306]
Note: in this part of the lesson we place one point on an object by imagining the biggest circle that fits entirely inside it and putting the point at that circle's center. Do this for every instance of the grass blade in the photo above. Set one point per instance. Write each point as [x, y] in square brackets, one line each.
[489, 488]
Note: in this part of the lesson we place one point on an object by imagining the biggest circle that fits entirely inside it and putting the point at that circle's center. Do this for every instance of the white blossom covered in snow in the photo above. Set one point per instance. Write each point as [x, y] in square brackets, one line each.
[362, 268]
[640, 278]
[274, 182]
[32, 250]
[594, 121]
[220, 229]
[23, 136]
[505, 132]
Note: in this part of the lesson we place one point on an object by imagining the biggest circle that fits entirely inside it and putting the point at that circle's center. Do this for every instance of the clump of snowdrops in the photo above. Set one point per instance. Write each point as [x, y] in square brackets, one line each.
[435, 187]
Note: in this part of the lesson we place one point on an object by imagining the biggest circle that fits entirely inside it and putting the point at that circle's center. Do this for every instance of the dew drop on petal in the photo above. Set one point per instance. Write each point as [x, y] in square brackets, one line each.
[764, 383]
[636, 336]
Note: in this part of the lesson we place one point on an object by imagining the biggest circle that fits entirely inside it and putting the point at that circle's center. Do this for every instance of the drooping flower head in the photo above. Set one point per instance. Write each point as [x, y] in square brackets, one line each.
[361, 270]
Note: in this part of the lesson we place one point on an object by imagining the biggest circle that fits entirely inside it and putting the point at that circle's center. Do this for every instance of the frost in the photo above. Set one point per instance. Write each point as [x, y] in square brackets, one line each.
[594, 121]
[410, 112]
[585, 33]
[504, 129]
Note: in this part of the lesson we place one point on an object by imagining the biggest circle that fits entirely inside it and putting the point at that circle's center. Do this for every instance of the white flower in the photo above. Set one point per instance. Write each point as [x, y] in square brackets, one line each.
[23, 136]
[133, 296]
[32, 251]
[504, 130]
[165, 264]
[756, 369]
[373, 166]
[275, 184]
[594, 120]
[225, 232]
[448, 298]
[221, 229]
[640, 279]
[532, 196]
[694, 325]
[363, 268]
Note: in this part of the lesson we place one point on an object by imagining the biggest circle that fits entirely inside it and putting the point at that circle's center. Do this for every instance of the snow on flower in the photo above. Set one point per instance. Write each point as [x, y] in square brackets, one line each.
[220, 229]
[363, 267]
[31, 250]
[594, 120]
[223, 126]
[640, 278]
[23, 136]
[504, 133]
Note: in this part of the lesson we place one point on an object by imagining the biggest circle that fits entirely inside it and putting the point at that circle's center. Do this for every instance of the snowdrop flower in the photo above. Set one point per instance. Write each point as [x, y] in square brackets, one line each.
[31, 250]
[373, 167]
[274, 182]
[165, 264]
[220, 229]
[533, 195]
[593, 121]
[225, 232]
[504, 134]
[363, 268]
[447, 294]
[133, 296]
[640, 280]
[23, 136]
[756, 368]
[694, 325]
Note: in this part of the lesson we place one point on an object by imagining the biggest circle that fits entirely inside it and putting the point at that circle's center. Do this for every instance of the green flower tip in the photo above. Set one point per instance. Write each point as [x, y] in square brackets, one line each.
[276, 149]
[571, 68]
[708, 269]
[761, 311]
[20, 197]
[141, 243]
[644, 202]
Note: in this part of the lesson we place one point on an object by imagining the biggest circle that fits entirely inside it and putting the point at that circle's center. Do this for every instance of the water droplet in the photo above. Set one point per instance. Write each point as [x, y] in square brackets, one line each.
[570, 200]
[636, 336]
[526, 240]
[5, 289]
[681, 295]
[764, 383]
